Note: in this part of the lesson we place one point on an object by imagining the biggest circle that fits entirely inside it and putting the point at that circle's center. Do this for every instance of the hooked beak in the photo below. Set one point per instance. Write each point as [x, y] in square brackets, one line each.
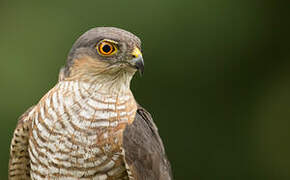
[137, 61]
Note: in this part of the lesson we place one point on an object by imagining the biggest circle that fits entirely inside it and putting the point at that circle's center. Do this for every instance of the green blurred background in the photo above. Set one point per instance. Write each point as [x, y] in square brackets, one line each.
[216, 78]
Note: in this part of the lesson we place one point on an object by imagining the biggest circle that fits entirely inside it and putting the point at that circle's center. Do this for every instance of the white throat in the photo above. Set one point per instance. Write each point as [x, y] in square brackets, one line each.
[117, 84]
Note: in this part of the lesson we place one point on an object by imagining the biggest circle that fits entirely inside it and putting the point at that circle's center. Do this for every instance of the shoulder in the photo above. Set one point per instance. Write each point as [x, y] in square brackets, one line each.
[26, 116]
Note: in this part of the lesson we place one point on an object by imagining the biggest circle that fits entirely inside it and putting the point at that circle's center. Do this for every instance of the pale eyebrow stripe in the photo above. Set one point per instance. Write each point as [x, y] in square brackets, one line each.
[110, 40]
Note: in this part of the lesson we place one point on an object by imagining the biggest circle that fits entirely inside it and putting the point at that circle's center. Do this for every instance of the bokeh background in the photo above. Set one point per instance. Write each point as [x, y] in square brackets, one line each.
[217, 77]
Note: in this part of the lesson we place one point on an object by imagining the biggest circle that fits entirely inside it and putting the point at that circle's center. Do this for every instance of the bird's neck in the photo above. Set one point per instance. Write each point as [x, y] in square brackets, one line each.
[109, 82]
[110, 104]
[108, 89]
[117, 84]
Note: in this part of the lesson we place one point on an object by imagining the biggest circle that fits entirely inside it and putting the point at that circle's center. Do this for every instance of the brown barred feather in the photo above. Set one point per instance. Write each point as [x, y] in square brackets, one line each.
[19, 163]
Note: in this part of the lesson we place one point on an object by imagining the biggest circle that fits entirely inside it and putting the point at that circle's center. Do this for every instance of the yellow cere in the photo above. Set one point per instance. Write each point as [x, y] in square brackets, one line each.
[136, 52]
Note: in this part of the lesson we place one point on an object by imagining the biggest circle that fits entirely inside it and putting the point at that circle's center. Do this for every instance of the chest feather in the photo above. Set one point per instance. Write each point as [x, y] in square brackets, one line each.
[77, 131]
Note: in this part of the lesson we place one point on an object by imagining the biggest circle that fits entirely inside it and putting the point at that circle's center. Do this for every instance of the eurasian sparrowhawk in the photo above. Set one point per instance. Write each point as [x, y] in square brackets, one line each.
[89, 126]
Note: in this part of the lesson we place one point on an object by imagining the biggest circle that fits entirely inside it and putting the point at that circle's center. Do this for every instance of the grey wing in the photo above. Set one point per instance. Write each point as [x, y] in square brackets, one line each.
[19, 163]
[144, 150]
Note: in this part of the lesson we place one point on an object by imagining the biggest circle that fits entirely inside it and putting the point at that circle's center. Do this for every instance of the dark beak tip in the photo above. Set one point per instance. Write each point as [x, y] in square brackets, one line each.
[139, 64]
[140, 69]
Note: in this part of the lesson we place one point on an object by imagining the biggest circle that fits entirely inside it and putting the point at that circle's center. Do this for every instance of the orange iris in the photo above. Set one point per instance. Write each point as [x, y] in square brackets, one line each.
[106, 48]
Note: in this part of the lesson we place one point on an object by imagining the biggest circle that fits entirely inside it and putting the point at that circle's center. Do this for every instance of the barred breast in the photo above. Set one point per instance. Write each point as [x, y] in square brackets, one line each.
[77, 133]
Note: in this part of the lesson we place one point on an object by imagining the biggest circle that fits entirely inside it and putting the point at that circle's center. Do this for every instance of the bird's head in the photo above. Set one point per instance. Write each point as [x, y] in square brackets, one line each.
[105, 55]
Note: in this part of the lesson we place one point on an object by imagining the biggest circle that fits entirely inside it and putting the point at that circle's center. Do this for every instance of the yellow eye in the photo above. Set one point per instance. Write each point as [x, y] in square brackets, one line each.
[106, 48]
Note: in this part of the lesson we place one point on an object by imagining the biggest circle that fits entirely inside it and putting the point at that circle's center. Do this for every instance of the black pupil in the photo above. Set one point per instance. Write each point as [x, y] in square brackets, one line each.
[106, 48]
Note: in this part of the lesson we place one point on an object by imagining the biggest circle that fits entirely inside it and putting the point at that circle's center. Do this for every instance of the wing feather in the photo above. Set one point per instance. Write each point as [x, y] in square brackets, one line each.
[144, 150]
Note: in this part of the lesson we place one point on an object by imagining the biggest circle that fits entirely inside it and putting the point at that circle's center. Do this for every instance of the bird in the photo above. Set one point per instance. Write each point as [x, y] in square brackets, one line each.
[89, 125]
